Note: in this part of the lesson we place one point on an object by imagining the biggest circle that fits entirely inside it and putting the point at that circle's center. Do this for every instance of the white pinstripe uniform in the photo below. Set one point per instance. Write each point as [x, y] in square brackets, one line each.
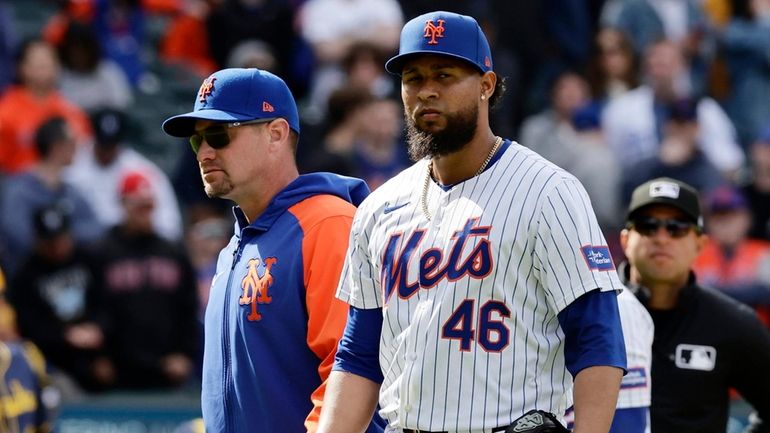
[638, 332]
[470, 337]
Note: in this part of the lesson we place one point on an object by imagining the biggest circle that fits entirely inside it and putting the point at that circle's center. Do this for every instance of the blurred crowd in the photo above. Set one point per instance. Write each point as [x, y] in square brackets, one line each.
[109, 252]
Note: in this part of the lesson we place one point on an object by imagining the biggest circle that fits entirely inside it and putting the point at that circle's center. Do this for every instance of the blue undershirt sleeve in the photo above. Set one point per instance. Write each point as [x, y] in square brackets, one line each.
[359, 347]
[592, 332]
[630, 420]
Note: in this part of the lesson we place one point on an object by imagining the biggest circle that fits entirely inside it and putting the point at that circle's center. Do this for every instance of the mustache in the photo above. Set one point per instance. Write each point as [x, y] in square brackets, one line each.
[460, 129]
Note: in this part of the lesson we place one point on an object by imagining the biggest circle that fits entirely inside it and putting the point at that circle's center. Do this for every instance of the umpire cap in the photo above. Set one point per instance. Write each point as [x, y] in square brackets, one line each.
[444, 33]
[667, 191]
[237, 95]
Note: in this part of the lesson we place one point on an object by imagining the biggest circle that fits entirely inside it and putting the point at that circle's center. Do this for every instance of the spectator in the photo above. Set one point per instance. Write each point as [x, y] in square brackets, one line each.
[41, 185]
[746, 42]
[97, 170]
[681, 22]
[147, 297]
[120, 26]
[679, 154]
[22, 378]
[634, 121]
[55, 308]
[614, 66]
[252, 53]
[26, 105]
[360, 67]
[380, 151]
[234, 21]
[569, 92]
[88, 79]
[341, 129]
[730, 261]
[333, 27]
[205, 238]
[186, 40]
[758, 189]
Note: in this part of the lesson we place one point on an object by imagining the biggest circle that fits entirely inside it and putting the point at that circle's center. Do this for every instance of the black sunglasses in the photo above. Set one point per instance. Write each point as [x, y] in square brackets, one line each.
[649, 226]
[217, 137]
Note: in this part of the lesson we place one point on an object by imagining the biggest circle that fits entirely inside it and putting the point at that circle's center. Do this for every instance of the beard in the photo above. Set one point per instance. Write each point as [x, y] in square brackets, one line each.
[218, 188]
[460, 129]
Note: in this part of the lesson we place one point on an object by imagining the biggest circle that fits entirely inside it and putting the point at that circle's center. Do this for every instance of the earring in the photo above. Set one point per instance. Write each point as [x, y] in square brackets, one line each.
[483, 97]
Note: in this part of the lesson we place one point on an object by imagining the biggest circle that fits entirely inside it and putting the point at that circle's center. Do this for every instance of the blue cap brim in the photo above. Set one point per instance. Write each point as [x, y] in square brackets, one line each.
[183, 125]
[396, 64]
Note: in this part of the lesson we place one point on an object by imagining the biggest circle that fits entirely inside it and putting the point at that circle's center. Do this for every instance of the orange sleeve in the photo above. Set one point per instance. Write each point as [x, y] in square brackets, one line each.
[323, 252]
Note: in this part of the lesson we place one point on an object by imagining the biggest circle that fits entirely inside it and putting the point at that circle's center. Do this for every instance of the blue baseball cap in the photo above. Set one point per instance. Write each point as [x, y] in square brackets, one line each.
[237, 95]
[445, 33]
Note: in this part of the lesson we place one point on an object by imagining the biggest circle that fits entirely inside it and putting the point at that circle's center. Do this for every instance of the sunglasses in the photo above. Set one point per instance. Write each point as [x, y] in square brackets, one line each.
[217, 137]
[649, 226]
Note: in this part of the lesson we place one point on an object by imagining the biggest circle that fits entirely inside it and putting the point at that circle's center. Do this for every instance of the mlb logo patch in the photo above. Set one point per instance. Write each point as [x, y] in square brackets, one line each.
[598, 257]
[696, 357]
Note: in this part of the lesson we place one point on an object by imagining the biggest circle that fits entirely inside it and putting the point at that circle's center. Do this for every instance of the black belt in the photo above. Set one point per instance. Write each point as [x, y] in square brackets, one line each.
[407, 430]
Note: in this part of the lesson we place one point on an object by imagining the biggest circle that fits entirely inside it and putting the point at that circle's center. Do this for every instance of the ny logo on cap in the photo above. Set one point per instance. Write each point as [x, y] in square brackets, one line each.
[206, 88]
[433, 31]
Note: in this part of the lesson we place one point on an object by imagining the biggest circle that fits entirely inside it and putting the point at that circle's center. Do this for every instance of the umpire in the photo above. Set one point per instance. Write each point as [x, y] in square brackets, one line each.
[705, 343]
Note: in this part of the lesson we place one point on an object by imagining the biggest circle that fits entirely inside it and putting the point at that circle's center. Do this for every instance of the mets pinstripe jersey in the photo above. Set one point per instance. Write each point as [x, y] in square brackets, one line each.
[470, 296]
[638, 332]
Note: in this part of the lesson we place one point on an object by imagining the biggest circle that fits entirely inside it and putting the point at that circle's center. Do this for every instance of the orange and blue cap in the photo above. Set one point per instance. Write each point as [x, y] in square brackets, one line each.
[237, 95]
[443, 33]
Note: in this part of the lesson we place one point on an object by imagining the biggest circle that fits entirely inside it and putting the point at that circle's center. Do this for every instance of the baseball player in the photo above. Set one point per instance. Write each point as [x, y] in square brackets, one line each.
[480, 285]
[272, 323]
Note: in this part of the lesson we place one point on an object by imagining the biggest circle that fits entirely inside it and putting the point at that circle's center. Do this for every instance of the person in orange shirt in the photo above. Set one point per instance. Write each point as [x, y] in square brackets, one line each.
[186, 40]
[25, 105]
[731, 261]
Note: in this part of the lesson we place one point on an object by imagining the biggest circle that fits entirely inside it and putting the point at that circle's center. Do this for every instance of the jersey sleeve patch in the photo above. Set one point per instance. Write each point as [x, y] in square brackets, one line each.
[598, 257]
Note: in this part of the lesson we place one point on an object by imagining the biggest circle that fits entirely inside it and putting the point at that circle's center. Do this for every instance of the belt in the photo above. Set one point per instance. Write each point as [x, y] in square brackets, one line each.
[408, 430]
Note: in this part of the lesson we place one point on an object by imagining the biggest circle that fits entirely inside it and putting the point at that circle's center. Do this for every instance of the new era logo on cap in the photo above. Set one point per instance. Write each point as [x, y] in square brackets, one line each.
[266, 107]
[664, 189]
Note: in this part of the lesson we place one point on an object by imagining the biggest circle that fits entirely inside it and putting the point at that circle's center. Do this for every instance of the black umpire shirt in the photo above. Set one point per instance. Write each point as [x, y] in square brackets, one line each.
[704, 346]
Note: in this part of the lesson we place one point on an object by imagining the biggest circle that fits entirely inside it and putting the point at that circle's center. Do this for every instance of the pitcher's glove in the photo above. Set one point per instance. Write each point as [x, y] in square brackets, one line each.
[536, 421]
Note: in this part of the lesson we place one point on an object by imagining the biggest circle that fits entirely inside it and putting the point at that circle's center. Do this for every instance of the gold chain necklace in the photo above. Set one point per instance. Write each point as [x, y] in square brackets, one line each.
[424, 197]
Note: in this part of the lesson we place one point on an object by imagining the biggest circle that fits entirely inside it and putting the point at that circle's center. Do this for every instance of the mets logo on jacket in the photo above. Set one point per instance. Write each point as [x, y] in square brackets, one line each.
[256, 288]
